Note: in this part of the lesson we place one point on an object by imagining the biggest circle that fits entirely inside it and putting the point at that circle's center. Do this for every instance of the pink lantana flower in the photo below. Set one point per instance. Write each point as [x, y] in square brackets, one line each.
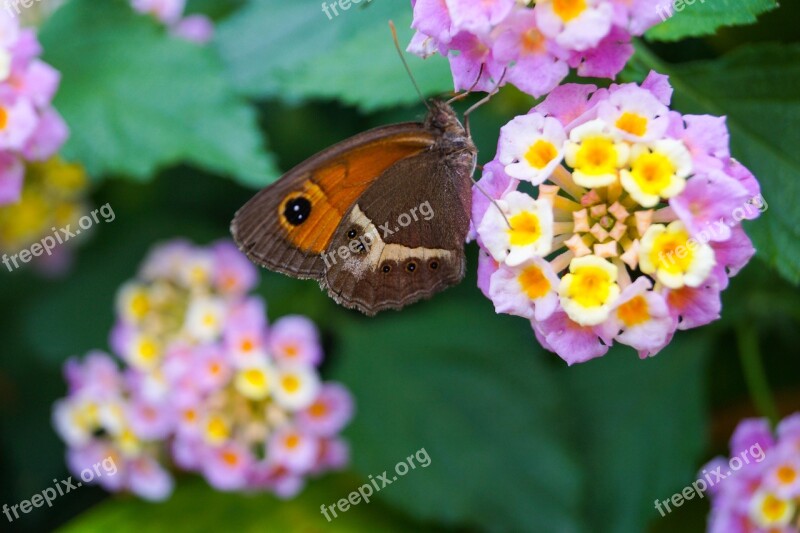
[197, 29]
[329, 413]
[634, 228]
[537, 64]
[529, 44]
[575, 25]
[193, 28]
[294, 339]
[206, 383]
[761, 488]
[30, 129]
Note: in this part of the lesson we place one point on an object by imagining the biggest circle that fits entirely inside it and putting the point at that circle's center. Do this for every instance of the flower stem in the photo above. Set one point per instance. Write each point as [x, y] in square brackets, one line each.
[754, 374]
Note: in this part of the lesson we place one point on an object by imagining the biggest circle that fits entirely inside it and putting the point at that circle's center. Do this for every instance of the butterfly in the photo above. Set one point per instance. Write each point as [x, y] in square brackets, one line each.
[379, 220]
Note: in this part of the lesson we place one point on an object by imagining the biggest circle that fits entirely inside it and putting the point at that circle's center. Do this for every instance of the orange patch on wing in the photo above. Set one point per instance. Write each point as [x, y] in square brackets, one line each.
[334, 188]
[321, 217]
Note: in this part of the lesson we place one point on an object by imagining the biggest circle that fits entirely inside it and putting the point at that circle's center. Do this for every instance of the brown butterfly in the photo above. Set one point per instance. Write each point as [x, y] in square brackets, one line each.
[380, 219]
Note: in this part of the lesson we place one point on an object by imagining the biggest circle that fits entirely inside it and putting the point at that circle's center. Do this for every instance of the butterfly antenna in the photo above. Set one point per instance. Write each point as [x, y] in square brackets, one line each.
[492, 200]
[405, 64]
[482, 101]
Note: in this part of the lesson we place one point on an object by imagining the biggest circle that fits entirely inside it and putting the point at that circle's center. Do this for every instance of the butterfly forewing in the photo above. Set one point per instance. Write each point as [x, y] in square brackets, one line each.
[288, 225]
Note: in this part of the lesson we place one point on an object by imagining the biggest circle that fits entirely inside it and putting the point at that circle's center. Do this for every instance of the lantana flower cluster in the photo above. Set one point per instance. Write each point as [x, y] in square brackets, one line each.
[764, 496]
[195, 28]
[31, 130]
[635, 228]
[206, 383]
[530, 44]
[54, 195]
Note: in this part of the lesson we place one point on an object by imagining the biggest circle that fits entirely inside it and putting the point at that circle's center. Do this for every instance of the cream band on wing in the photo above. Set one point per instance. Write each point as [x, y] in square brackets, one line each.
[366, 239]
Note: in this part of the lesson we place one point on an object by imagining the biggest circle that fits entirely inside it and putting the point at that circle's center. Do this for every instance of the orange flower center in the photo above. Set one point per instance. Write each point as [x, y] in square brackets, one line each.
[634, 311]
[318, 410]
[568, 10]
[786, 474]
[230, 458]
[292, 441]
[533, 282]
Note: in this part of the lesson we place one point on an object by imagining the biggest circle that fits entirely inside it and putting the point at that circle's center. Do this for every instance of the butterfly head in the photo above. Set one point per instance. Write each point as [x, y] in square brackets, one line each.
[454, 137]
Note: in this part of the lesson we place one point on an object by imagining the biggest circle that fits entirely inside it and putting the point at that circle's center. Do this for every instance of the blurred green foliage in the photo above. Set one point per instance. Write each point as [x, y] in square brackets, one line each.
[322, 58]
[518, 441]
[137, 99]
[196, 507]
[696, 18]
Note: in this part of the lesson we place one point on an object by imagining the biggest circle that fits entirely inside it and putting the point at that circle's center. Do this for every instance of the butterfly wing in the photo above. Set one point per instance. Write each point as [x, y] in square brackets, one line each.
[403, 240]
[288, 225]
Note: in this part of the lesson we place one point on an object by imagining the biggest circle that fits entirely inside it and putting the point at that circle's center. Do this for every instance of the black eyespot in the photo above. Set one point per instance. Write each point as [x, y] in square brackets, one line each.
[352, 234]
[433, 265]
[297, 210]
[386, 269]
[411, 267]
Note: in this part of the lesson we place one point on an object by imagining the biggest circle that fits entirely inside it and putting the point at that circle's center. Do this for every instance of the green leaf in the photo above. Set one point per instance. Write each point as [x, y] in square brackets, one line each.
[641, 429]
[137, 99]
[293, 50]
[472, 389]
[196, 507]
[703, 17]
[756, 87]
[267, 39]
[518, 441]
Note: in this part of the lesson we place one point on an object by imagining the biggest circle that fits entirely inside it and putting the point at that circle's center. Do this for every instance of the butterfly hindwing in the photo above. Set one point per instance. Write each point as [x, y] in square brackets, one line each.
[403, 240]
